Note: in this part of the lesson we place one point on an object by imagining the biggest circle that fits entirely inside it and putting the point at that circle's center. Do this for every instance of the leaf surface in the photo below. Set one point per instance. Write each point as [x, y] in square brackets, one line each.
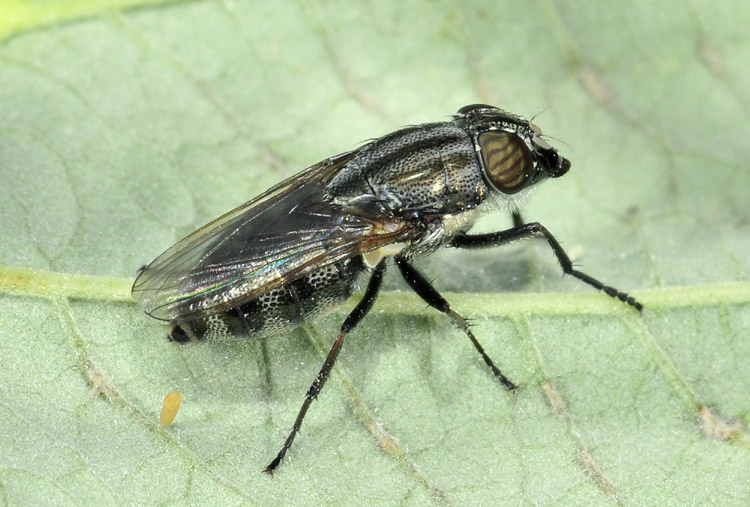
[124, 130]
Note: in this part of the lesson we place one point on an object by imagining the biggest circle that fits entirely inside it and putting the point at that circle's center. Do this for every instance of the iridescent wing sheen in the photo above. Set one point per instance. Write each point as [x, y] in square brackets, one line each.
[277, 237]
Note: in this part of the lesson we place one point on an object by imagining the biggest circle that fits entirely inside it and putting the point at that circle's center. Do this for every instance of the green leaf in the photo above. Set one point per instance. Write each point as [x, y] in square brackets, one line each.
[122, 131]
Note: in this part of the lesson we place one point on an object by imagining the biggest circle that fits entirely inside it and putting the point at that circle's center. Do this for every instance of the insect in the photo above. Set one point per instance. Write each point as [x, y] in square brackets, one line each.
[170, 407]
[297, 251]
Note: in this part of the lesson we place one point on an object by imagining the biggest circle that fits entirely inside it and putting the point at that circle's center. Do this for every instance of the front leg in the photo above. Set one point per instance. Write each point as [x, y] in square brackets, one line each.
[536, 229]
[517, 219]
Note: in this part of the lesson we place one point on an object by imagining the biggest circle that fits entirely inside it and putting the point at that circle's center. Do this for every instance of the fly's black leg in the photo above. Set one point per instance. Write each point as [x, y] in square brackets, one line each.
[426, 291]
[537, 229]
[350, 323]
[517, 219]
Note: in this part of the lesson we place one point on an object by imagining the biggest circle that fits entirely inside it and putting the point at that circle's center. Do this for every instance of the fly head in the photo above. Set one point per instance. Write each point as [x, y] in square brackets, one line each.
[511, 151]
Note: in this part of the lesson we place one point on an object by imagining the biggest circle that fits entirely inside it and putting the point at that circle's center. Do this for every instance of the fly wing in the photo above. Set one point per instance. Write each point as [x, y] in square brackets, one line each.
[281, 235]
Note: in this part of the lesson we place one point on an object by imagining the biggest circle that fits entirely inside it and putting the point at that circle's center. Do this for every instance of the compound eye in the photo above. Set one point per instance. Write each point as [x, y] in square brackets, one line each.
[507, 160]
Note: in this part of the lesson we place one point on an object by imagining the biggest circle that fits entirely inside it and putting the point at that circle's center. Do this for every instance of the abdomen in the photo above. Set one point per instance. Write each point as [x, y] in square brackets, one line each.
[298, 302]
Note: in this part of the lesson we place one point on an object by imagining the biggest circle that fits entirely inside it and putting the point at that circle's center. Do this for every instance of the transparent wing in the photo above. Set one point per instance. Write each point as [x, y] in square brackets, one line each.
[281, 235]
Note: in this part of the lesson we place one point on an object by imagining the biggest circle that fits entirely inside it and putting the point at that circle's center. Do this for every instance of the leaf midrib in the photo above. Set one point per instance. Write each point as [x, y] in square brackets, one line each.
[51, 285]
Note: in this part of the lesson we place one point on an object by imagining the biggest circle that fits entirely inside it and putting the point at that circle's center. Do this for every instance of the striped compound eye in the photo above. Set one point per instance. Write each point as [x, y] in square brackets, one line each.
[507, 160]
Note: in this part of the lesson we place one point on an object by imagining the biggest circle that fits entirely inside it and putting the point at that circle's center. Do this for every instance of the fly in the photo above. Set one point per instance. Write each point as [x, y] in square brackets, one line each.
[297, 251]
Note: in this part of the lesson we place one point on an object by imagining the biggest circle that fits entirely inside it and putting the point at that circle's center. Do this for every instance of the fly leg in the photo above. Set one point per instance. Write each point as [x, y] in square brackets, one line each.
[517, 219]
[536, 229]
[354, 318]
[432, 297]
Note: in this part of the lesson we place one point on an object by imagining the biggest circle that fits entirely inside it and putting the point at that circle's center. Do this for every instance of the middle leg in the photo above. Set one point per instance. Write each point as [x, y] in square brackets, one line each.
[432, 297]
